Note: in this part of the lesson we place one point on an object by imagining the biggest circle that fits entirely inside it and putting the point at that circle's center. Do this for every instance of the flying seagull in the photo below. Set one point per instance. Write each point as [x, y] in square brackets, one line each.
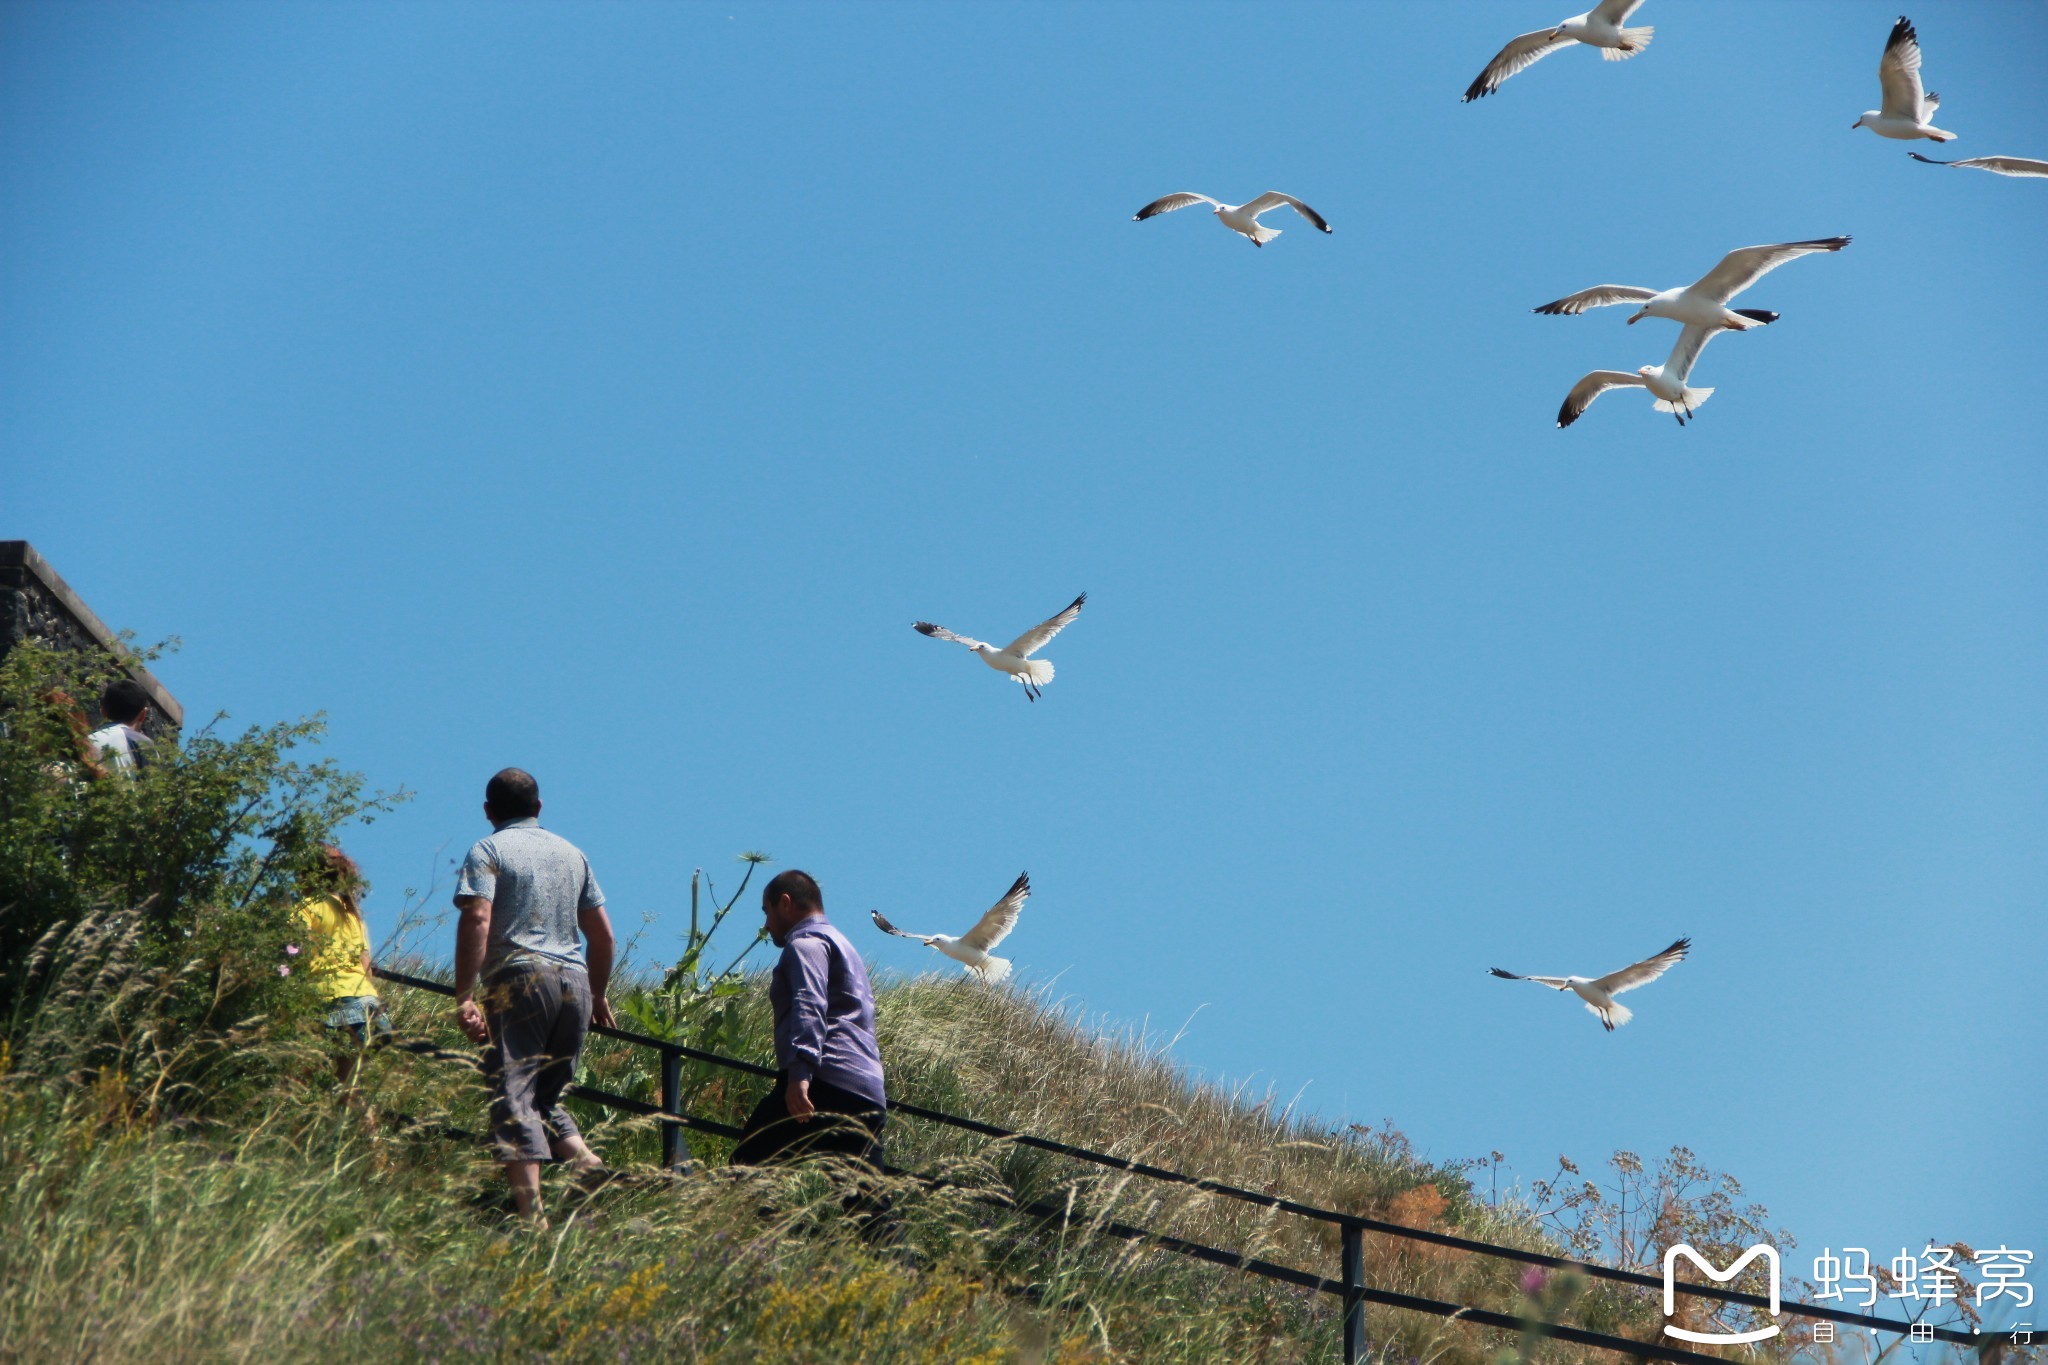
[1704, 302]
[1997, 165]
[1599, 27]
[1665, 382]
[1907, 107]
[1241, 218]
[971, 949]
[1599, 992]
[1015, 657]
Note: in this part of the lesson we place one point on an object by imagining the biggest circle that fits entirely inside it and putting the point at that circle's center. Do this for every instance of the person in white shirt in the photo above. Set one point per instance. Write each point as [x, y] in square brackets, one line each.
[121, 741]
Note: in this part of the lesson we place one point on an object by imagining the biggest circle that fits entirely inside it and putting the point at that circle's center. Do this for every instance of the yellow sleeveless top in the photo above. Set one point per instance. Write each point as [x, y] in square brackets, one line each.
[335, 947]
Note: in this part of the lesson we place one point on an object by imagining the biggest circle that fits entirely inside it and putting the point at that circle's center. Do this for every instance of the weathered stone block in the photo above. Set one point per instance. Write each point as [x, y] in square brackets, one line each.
[37, 604]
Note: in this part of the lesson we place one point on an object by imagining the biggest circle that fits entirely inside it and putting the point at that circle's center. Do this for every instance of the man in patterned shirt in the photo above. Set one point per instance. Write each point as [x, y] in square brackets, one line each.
[522, 981]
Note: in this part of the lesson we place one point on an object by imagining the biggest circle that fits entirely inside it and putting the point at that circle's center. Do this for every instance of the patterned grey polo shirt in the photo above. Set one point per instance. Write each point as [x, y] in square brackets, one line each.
[536, 882]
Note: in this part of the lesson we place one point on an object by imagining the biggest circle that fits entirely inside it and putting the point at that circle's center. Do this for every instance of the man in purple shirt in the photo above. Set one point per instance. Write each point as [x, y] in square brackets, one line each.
[828, 1095]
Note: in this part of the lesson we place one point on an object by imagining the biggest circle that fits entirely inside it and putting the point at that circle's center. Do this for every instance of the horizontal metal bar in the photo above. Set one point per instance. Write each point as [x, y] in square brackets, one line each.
[646, 1110]
[1300, 1210]
[603, 1030]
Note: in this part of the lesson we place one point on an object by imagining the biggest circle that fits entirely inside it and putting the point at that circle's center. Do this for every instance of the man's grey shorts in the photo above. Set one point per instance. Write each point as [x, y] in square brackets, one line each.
[538, 1014]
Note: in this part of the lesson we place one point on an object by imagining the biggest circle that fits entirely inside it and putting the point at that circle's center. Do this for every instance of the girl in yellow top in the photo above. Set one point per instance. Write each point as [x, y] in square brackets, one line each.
[339, 955]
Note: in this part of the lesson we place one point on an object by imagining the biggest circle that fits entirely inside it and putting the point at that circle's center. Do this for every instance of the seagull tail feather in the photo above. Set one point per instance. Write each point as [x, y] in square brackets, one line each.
[1612, 1015]
[995, 971]
[1633, 40]
[1694, 398]
[1037, 672]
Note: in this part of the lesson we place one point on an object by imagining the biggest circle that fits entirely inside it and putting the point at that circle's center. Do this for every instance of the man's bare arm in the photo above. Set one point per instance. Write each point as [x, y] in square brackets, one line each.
[597, 933]
[472, 936]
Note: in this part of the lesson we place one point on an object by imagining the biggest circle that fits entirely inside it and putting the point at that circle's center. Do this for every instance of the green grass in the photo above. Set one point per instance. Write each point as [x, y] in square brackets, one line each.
[286, 1225]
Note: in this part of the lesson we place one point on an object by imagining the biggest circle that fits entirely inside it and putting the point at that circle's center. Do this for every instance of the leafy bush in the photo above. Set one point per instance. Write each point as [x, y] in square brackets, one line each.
[175, 880]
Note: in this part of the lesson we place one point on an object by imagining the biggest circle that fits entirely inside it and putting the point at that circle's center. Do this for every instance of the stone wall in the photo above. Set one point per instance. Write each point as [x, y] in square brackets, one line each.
[37, 604]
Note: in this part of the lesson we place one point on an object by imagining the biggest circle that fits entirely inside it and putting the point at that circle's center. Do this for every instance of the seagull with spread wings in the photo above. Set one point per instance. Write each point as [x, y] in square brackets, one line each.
[1997, 165]
[1704, 302]
[1665, 382]
[1908, 109]
[1015, 658]
[971, 949]
[1600, 26]
[1239, 218]
[1599, 992]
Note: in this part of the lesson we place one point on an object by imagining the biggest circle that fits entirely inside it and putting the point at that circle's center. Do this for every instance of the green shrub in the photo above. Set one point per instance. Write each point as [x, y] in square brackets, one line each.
[174, 882]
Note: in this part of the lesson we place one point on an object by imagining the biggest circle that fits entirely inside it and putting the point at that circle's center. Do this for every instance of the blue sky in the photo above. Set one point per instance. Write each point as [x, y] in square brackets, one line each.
[605, 390]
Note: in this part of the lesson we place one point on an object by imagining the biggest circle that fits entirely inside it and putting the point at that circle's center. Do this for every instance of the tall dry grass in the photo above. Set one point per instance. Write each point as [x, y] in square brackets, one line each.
[299, 1220]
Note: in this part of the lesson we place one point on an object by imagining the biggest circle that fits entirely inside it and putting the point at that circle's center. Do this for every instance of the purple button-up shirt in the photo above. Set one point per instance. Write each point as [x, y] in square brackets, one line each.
[825, 1012]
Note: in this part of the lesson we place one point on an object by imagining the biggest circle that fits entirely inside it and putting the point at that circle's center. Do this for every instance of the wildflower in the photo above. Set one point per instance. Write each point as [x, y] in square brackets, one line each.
[283, 970]
[291, 950]
[1532, 1280]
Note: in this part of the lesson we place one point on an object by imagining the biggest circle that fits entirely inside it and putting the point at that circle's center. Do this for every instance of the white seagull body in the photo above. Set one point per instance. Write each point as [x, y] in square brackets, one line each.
[1599, 27]
[1665, 382]
[1997, 165]
[1908, 109]
[971, 949]
[1704, 302]
[1015, 657]
[1598, 992]
[1239, 218]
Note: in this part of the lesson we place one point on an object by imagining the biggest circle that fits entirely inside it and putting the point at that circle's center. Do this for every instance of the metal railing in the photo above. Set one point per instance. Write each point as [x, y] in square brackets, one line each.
[1350, 1287]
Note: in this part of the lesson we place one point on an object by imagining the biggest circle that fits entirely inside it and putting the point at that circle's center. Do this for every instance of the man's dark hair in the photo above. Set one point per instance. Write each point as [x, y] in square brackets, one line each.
[123, 701]
[800, 887]
[512, 795]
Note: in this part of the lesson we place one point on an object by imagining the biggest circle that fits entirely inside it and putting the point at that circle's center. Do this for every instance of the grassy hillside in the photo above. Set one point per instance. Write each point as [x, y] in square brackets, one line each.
[182, 1179]
[284, 1219]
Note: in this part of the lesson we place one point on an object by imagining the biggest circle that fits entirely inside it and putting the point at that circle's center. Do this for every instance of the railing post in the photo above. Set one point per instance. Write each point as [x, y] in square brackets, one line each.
[675, 1152]
[1354, 1297]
